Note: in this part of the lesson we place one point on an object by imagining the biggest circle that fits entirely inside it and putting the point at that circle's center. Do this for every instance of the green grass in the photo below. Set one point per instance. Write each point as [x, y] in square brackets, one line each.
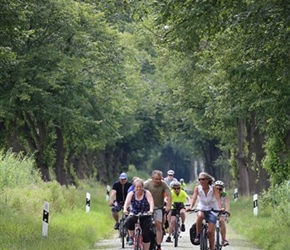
[264, 230]
[70, 227]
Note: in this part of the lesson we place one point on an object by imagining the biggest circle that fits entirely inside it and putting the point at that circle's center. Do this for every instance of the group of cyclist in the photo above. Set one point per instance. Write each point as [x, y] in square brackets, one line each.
[157, 195]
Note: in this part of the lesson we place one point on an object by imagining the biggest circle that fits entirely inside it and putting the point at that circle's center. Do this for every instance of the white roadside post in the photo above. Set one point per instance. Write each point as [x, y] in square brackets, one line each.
[108, 192]
[235, 194]
[45, 219]
[255, 204]
[88, 202]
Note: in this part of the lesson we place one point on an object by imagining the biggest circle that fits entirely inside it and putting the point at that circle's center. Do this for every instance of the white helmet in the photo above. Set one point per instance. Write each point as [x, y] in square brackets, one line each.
[181, 180]
[175, 183]
[219, 183]
[170, 172]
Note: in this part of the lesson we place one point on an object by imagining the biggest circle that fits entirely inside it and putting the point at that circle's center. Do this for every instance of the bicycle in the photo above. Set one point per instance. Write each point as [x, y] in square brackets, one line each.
[218, 245]
[176, 232]
[123, 233]
[138, 240]
[204, 245]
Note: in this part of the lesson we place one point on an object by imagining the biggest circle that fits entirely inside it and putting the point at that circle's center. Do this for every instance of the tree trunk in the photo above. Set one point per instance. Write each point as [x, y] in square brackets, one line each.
[243, 178]
[259, 178]
[59, 166]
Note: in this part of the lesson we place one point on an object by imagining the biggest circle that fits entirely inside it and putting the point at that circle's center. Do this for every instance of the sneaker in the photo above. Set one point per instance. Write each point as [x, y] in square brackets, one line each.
[116, 227]
[131, 241]
[225, 243]
[182, 228]
[127, 238]
[159, 248]
[196, 240]
[168, 239]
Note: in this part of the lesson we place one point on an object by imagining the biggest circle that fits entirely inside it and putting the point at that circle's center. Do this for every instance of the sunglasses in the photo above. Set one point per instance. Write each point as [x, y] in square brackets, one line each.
[220, 189]
[202, 179]
[176, 188]
[123, 179]
[170, 175]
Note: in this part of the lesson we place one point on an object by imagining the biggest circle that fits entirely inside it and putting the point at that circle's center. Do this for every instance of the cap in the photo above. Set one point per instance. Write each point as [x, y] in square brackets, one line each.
[123, 176]
[170, 172]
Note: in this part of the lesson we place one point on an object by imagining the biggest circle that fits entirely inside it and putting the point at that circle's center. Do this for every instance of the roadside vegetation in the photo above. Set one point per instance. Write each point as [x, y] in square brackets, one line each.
[22, 195]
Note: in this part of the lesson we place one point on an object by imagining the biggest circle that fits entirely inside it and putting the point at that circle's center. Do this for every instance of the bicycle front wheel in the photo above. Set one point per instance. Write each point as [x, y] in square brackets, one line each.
[204, 238]
[218, 245]
[176, 231]
[138, 241]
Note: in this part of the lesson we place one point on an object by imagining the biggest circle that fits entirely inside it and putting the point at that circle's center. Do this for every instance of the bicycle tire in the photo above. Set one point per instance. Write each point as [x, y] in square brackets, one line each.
[138, 240]
[123, 232]
[176, 230]
[204, 238]
[218, 245]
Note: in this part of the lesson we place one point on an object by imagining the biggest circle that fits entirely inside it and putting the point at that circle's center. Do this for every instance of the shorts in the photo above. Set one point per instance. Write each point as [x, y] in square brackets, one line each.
[117, 208]
[210, 216]
[174, 211]
[158, 214]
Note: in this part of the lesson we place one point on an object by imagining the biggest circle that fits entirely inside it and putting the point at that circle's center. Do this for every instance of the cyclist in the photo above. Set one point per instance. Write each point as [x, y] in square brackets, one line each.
[178, 195]
[170, 177]
[118, 196]
[158, 188]
[209, 199]
[182, 184]
[226, 205]
[140, 201]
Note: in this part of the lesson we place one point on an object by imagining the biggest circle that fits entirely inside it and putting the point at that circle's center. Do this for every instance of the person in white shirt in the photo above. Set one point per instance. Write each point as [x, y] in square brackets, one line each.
[170, 177]
[209, 199]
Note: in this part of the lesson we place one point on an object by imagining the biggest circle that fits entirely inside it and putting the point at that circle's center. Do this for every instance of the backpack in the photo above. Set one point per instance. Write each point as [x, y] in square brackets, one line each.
[192, 233]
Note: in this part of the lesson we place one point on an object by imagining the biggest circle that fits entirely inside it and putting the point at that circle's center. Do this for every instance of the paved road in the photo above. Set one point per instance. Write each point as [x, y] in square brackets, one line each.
[237, 242]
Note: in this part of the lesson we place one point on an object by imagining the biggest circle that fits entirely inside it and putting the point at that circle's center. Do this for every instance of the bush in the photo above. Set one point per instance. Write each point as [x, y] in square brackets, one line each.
[17, 170]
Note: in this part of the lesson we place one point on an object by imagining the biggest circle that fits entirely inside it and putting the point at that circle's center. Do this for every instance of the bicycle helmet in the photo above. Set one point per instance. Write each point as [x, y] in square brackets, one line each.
[170, 172]
[219, 183]
[175, 183]
[181, 180]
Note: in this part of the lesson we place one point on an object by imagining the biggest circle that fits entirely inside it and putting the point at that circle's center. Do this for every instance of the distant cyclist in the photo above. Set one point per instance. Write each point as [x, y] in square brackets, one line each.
[118, 196]
[178, 195]
[209, 199]
[170, 177]
[182, 183]
[226, 205]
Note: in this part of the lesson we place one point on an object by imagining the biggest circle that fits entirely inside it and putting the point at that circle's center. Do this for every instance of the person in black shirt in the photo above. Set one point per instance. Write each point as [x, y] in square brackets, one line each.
[118, 196]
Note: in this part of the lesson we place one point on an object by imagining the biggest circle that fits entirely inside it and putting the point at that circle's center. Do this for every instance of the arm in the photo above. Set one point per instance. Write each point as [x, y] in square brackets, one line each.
[150, 200]
[194, 198]
[112, 197]
[218, 197]
[167, 191]
[127, 201]
[227, 204]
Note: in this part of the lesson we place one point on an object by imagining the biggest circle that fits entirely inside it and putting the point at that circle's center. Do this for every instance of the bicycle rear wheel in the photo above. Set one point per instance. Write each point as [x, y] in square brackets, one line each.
[176, 231]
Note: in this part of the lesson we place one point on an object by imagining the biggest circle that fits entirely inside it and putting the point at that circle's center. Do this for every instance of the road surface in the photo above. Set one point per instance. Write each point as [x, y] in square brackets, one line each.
[236, 241]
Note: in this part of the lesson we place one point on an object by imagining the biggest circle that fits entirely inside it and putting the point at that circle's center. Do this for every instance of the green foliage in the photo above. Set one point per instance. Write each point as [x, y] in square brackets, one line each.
[277, 198]
[17, 170]
[265, 230]
[70, 227]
